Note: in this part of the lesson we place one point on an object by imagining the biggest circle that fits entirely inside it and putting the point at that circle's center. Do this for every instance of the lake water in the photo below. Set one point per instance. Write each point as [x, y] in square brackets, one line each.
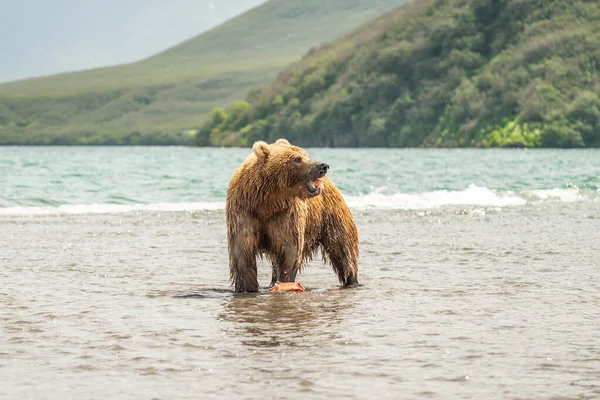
[479, 270]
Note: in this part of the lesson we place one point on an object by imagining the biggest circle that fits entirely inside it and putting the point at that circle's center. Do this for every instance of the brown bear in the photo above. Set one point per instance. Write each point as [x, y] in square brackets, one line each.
[281, 205]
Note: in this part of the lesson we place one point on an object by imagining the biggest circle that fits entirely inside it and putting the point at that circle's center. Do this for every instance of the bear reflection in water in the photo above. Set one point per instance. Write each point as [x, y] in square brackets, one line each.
[289, 319]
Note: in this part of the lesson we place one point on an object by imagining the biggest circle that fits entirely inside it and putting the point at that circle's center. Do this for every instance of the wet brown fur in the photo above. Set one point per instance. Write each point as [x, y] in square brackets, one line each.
[270, 213]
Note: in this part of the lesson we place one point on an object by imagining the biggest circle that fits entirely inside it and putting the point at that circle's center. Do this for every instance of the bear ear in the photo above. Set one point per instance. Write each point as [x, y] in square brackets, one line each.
[261, 149]
[283, 141]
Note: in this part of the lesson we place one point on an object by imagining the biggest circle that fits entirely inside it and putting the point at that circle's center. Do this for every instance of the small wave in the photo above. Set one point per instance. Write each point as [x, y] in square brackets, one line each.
[564, 195]
[472, 196]
[109, 208]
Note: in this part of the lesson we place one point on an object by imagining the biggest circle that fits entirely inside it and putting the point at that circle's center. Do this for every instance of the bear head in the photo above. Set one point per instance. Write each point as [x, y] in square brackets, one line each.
[289, 168]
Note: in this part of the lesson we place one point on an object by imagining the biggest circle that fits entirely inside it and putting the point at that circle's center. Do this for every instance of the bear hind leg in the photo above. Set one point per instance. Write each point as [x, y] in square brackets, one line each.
[345, 266]
[344, 260]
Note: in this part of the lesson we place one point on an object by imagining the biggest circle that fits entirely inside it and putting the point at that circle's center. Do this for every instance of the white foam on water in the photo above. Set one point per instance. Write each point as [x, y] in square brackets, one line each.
[472, 196]
[78, 209]
[565, 195]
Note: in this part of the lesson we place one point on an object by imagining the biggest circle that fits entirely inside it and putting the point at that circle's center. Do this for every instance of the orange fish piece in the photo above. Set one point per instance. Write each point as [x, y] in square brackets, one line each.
[287, 287]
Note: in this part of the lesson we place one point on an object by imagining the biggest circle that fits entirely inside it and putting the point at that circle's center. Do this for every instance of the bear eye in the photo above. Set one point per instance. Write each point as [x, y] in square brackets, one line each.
[298, 160]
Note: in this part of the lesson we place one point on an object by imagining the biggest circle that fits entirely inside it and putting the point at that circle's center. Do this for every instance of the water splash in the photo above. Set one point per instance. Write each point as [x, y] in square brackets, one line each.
[475, 196]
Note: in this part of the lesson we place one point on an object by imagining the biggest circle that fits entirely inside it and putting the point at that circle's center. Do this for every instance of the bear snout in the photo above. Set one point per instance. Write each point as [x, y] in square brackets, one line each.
[321, 170]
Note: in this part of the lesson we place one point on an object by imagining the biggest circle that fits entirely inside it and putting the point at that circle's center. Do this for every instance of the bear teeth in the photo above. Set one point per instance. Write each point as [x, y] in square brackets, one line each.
[313, 187]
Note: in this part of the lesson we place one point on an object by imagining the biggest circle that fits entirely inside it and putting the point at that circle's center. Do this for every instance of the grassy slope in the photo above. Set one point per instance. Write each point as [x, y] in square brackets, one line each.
[154, 100]
[438, 73]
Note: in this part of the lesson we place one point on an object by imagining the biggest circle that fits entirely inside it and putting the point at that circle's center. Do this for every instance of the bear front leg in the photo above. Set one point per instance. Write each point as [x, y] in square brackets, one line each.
[287, 238]
[243, 247]
[288, 264]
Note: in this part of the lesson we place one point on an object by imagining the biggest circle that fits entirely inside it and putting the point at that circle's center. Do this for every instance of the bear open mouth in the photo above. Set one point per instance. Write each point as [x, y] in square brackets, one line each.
[314, 187]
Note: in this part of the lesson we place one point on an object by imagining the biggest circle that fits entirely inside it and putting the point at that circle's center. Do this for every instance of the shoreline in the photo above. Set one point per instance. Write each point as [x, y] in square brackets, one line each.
[176, 144]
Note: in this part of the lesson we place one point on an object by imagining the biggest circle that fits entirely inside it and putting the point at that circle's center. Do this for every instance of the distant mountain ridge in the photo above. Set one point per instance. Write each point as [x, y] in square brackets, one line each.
[41, 37]
[157, 100]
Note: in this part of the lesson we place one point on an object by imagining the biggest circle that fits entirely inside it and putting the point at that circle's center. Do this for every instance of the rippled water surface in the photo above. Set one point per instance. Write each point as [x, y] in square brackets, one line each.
[480, 275]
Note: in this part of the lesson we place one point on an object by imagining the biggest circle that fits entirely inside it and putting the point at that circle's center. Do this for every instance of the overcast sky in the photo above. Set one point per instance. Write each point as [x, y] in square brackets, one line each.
[42, 37]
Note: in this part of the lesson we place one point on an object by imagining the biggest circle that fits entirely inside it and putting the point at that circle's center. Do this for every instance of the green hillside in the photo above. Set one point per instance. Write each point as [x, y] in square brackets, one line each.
[156, 100]
[438, 73]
